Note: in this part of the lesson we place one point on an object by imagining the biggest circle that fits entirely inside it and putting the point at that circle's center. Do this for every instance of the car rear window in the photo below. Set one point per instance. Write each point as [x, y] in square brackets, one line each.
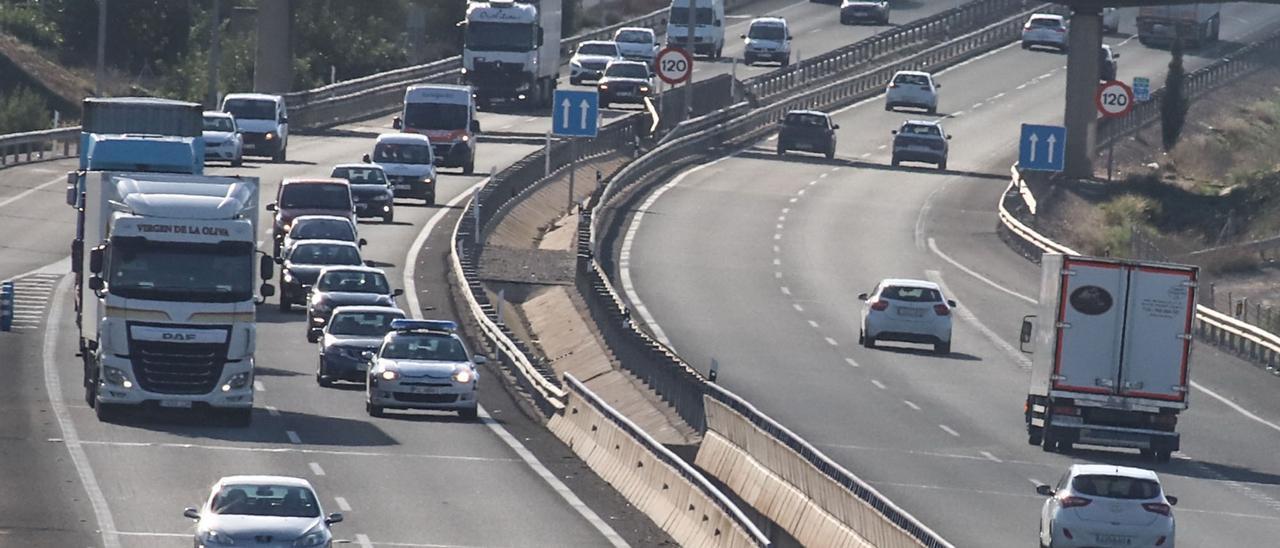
[911, 294]
[315, 196]
[912, 79]
[598, 49]
[767, 31]
[1045, 22]
[627, 70]
[360, 175]
[323, 229]
[1116, 487]
[923, 130]
[800, 119]
[325, 254]
[637, 36]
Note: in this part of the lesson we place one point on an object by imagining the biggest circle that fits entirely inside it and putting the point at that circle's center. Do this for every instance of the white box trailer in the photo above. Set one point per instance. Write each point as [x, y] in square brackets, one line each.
[1112, 344]
[1197, 25]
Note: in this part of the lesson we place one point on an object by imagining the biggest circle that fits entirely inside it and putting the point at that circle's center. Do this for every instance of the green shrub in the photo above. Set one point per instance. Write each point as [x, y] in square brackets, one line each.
[23, 110]
[29, 24]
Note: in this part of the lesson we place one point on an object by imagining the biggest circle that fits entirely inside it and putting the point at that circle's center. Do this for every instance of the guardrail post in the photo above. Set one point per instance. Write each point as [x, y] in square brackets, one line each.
[6, 306]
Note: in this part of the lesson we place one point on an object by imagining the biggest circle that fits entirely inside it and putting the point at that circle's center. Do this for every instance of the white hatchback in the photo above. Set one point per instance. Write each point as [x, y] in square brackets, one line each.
[910, 88]
[1046, 30]
[912, 311]
[1105, 505]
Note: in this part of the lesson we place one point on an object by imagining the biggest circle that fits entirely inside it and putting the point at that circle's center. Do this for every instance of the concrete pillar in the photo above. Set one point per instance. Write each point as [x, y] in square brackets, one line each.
[273, 61]
[1081, 114]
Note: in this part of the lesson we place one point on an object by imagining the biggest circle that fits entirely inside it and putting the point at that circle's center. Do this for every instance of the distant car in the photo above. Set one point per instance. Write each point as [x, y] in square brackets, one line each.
[1108, 67]
[590, 59]
[263, 121]
[348, 285]
[921, 141]
[409, 163]
[910, 88]
[262, 511]
[1105, 505]
[302, 263]
[854, 11]
[350, 332]
[321, 227]
[1111, 20]
[422, 364]
[1045, 30]
[300, 196]
[637, 44]
[625, 82]
[767, 39]
[910, 311]
[370, 190]
[808, 130]
[222, 140]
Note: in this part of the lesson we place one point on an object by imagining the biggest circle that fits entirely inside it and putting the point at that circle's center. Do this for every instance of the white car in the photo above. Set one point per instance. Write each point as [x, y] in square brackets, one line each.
[637, 43]
[912, 311]
[262, 511]
[767, 39]
[1105, 505]
[409, 162]
[422, 364]
[1045, 30]
[1111, 20]
[910, 88]
[590, 59]
[853, 11]
[222, 140]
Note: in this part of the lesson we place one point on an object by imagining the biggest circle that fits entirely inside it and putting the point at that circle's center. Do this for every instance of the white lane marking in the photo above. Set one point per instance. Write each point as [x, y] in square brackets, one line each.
[777, 262]
[813, 324]
[782, 218]
[911, 404]
[259, 387]
[866, 155]
[832, 342]
[315, 468]
[1236, 407]
[990, 457]
[923, 214]
[294, 450]
[851, 362]
[777, 275]
[342, 504]
[79, 459]
[31, 191]
[777, 236]
[821, 176]
[882, 147]
[964, 313]
[293, 436]
[1021, 87]
[996, 96]
[878, 384]
[780, 226]
[786, 210]
[411, 260]
[976, 106]
[797, 307]
[363, 540]
[785, 290]
[948, 430]
[1035, 482]
[933, 246]
[792, 200]
[777, 249]
[271, 409]
[811, 183]
[816, 31]
[154, 535]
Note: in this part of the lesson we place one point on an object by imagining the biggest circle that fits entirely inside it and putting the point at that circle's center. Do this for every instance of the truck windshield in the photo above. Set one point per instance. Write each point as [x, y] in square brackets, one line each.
[680, 17]
[392, 153]
[180, 271]
[250, 109]
[487, 36]
[427, 347]
[435, 116]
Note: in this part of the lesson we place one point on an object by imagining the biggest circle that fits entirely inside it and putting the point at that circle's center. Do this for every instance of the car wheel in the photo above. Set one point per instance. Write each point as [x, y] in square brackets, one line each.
[1026, 45]
[781, 149]
[942, 166]
[240, 418]
[575, 81]
[942, 348]
[430, 200]
[373, 410]
[469, 167]
[106, 412]
[932, 111]
[869, 341]
[894, 161]
[469, 413]
[747, 60]
[718, 54]
[831, 152]
[322, 379]
[91, 393]
[239, 161]
[389, 217]
[285, 305]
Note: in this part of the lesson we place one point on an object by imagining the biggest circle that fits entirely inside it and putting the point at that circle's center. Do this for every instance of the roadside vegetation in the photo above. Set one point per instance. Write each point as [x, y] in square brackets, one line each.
[23, 110]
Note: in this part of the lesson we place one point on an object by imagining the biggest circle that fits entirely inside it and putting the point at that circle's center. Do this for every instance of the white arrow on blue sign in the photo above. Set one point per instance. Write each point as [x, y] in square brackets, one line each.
[1141, 89]
[1041, 148]
[575, 113]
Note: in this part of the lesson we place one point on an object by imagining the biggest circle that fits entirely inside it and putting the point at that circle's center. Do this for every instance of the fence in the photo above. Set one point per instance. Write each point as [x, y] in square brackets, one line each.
[36, 146]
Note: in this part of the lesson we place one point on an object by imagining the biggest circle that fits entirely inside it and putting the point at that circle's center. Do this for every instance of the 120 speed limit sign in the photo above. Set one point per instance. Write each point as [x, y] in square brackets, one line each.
[1115, 99]
[674, 65]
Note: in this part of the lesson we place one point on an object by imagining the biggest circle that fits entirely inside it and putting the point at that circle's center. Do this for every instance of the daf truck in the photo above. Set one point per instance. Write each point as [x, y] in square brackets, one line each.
[167, 313]
[511, 50]
[1112, 350]
[1196, 25]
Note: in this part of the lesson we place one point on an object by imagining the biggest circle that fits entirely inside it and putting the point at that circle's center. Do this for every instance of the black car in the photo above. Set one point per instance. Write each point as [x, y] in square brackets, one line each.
[625, 81]
[350, 332]
[347, 286]
[921, 141]
[370, 190]
[1107, 65]
[302, 263]
[807, 130]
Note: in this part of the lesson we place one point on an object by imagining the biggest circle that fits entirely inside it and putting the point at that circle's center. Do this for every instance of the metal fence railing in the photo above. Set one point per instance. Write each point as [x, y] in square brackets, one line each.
[37, 146]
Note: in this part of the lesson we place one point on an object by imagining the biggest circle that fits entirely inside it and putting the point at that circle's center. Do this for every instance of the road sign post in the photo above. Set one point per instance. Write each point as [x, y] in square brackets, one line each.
[1042, 148]
[675, 65]
[1115, 99]
[574, 114]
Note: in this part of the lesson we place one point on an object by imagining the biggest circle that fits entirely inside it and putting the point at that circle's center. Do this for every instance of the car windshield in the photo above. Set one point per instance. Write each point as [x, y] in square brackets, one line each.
[490, 36]
[680, 16]
[394, 153]
[323, 229]
[325, 254]
[422, 115]
[911, 79]
[811, 120]
[363, 324]
[354, 281]
[1046, 22]
[219, 123]
[1116, 487]
[634, 36]
[250, 109]
[767, 32]
[315, 196]
[266, 500]
[912, 294]
[424, 346]
[360, 175]
[922, 130]
[610, 50]
[627, 70]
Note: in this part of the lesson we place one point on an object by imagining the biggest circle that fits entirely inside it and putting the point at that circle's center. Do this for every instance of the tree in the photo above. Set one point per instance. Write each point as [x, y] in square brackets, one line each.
[1173, 107]
[23, 110]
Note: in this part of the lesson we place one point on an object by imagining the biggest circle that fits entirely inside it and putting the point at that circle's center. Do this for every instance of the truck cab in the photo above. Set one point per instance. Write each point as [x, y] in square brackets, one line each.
[446, 114]
[511, 50]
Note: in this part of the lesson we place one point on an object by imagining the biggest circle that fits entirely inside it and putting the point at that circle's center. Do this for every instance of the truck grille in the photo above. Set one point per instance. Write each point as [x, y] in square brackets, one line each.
[178, 368]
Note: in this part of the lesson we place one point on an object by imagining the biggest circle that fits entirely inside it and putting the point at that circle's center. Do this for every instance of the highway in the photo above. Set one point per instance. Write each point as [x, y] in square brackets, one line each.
[768, 290]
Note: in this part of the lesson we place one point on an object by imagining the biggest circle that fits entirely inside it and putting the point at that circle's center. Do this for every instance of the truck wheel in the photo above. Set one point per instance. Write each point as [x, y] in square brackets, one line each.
[1065, 446]
[1048, 441]
[240, 418]
[469, 413]
[1035, 435]
[1163, 456]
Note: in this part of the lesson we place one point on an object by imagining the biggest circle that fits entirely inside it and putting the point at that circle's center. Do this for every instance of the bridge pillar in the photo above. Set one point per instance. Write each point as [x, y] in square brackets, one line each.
[273, 65]
[1081, 116]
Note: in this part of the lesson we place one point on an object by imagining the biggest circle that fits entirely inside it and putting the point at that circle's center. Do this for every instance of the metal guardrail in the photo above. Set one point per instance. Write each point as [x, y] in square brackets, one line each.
[38, 146]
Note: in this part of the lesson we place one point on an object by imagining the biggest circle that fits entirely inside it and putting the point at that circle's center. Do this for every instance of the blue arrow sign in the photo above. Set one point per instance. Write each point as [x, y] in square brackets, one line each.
[1141, 89]
[1041, 148]
[575, 113]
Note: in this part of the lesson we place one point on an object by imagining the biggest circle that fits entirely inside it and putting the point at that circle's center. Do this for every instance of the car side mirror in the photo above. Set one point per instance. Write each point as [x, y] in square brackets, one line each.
[479, 359]
[743, 35]
[715, 23]
[284, 119]
[397, 123]
[314, 334]
[366, 159]
[951, 303]
[191, 513]
[368, 355]
[397, 292]
[266, 267]
[1173, 501]
[271, 206]
[475, 126]
[369, 262]
[1115, 55]
[95, 259]
[333, 518]
[278, 260]
[1044, 490]
[862, 296]
[835, 126]
[937, 85]
[363, 242]
[73, 187]
[96, 283]
[895, 132]
[948, 137]
[267, 290]
[1027, 333]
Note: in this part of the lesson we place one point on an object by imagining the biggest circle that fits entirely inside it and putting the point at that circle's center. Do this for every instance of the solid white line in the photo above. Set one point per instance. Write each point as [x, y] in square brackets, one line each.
[30, 191]
[1236, 407]
[315, 468]
[990, 457]
[154, 535]
[411, 260]
[851, 362]
[832, 342]
[911, 404]
[878, 384]
[924, 213]
[53, 389]
[293, 436]
[965, 314]
[294, 450]
[342, 504]
[948, 430]
[934, 247]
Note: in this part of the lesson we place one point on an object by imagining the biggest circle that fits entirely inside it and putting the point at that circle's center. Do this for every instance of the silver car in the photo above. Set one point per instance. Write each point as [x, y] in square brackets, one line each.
[590, 59]
[222, 139]
[853, 11]
[350, 332]
[1045, 30]
[422, 364]
[910, 88]
[262, 511]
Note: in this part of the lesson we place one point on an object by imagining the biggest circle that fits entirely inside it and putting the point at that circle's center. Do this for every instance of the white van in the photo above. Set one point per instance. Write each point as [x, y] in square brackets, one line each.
[767, 39]
[409, 164]
[446, 114]
[708, 31]
[263, 121]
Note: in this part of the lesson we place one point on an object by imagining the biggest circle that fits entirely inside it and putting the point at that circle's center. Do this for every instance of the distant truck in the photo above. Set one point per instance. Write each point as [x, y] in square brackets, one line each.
[511, 50]
[1112, 348]
[167, 312]
[1197, 25]
[142, 134]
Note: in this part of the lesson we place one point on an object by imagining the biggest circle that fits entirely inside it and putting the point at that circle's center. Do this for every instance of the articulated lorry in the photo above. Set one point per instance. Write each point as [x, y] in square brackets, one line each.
[142, 134]
[1112, 344]
[167, 314]
[1196, 25]
[511, 50]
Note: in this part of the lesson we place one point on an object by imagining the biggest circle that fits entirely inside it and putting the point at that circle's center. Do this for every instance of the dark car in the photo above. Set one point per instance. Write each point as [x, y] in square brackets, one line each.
[370, 190]
[625, 81]
[297, 197]
[347, 285]
[350, 332]
[302, 263]
[875, 11]
[807, 130]
[1107, 65]
[921, 141]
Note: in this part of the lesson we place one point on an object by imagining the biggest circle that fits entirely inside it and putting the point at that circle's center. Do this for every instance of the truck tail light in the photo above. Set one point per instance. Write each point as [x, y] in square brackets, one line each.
[1156, 508]
[1066, 410]
[941, 310]
[1074, 502]
[880, 306]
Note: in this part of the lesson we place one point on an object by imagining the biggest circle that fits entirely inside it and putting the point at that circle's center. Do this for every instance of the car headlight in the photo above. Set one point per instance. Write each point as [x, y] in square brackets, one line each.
[116, 377]
[216, 538]
[269, 136]
[236, 382]
[644, 89]
[389, 375]
[463, 375]
[604, 86]
[466, 138]
[426, 180]
[313, 538]
[288, 276]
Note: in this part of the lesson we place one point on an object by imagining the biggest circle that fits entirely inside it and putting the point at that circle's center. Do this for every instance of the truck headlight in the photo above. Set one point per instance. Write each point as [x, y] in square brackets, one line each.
[426, 180]
[236, 382]
[463, 375]
[116, 377]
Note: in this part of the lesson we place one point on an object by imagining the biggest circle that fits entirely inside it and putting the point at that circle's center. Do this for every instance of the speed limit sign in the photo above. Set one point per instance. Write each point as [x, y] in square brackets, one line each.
[1115, 99]
[674, 65]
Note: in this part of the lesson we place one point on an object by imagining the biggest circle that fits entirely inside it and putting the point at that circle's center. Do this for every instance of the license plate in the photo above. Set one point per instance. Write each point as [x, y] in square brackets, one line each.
[1114, 540]
[248, 146]
[179, 404]
[424, 390]
[626, 93]
[403, 186]
[913, 312]
[361, 207]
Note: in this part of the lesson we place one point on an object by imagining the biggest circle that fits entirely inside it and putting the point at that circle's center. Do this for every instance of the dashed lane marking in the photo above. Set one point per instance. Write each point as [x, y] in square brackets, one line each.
[878, 384]
[293, 436]
[813, 324]
[363, 540]
[990, 457]
[949, 430]
[832, 342]
[785, 290]
[965, 314]
[342, 504]
[797, 307]
[851, 362]
[911, 404]
[259, 387]
[271, 409]
[315, 468]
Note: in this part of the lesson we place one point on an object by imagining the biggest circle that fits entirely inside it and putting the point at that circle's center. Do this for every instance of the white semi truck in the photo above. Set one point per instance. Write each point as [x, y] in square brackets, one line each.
[511, 50]
[1112, 345]
[1197, 25]
[167, 314]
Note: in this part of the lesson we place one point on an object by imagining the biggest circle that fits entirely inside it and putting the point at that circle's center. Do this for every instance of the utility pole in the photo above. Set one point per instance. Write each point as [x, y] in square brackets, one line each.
[100, 76]
[688, 84]
[215, 53]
